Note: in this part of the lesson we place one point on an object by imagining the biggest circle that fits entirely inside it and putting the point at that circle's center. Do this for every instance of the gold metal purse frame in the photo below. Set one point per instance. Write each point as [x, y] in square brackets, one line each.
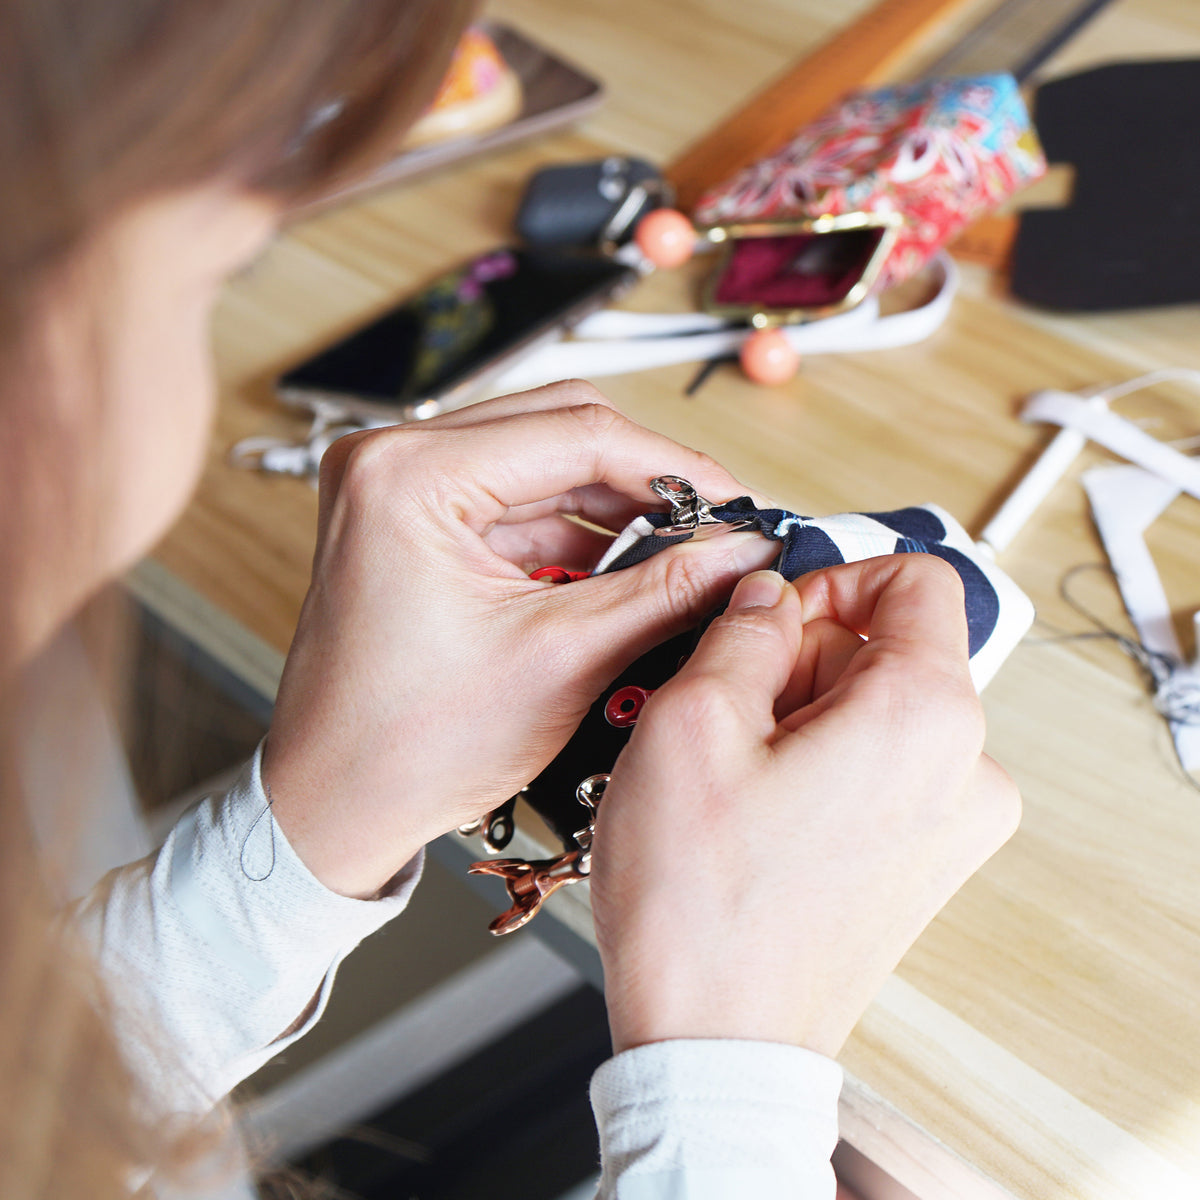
[727, 237]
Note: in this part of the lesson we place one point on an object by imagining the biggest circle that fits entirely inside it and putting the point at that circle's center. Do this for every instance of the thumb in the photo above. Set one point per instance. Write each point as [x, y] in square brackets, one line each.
[633, 610]
[749, 652]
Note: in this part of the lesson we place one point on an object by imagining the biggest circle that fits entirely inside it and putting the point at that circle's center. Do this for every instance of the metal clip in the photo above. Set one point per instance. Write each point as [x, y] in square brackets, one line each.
[529, 883]
[690, 512]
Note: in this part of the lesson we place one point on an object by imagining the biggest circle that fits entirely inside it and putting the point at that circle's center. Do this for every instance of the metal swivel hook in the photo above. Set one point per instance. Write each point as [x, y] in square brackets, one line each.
[690, 512]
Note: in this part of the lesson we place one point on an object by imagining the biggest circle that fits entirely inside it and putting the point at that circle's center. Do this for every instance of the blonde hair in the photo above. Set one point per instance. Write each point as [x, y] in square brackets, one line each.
[102, 105]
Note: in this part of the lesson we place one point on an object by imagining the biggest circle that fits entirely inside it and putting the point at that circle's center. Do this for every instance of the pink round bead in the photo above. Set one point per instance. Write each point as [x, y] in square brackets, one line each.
[768, 357]
[666, 237]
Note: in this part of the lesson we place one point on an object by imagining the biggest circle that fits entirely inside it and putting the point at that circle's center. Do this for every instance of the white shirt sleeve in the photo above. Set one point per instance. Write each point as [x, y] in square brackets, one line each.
[219, 942]
[709, 1120]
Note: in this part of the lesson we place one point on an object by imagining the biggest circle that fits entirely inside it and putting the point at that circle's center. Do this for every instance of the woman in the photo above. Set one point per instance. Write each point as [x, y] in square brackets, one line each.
[153, 147]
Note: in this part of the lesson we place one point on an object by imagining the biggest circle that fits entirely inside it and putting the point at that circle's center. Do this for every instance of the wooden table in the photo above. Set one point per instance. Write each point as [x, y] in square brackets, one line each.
[1042, 1039]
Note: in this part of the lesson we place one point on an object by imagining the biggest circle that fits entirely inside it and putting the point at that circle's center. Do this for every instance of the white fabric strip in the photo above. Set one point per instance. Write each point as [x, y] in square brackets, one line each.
[1037, 483]
[1116, 434]
[1125, 501]
[612, 323]
[1056, 459]
[638, 347]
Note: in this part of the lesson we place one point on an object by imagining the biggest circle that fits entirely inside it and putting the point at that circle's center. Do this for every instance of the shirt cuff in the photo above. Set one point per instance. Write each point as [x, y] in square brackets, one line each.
[220, 942]
[229, 867]
[715, 1118]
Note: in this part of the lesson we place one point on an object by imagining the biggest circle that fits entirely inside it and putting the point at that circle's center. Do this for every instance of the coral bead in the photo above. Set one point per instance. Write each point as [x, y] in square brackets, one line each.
[666, 237]
[768, 357]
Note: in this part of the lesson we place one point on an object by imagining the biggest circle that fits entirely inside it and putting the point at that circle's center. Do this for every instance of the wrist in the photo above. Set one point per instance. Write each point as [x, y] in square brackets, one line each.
[344, 853]
[723, 1001]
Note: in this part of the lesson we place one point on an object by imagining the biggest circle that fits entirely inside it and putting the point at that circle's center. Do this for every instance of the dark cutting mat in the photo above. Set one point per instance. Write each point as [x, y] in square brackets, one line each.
[1130, 237]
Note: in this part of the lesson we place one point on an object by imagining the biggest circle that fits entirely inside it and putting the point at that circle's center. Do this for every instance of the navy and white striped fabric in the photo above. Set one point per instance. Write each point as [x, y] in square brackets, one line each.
[998, 612]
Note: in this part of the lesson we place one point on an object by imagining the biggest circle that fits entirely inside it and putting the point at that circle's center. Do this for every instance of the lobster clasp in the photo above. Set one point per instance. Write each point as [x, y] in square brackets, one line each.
[690, 512]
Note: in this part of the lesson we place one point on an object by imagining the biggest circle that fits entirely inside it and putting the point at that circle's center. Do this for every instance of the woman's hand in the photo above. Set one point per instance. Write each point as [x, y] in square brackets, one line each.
[430, 678]
[794, 807]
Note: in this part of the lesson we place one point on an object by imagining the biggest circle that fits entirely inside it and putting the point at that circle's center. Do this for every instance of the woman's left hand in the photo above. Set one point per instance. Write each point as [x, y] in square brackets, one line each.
[430, 678]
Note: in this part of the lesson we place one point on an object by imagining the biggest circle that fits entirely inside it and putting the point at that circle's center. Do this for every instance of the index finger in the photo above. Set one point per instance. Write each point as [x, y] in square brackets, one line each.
[524, 458]
[914, 601]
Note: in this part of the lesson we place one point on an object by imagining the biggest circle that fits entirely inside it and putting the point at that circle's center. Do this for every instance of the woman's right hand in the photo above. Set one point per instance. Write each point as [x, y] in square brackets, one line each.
[794, 807]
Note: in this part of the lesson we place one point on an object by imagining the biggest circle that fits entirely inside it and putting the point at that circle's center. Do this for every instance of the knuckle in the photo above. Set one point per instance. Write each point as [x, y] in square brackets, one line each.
[919, 695]
[597, 418]
[369, 461]
[337, 452]
[950, 710]
[747, 628]
[686, 584]
[697, 702]
[1005, 805]
[705, 463]
[579, 392]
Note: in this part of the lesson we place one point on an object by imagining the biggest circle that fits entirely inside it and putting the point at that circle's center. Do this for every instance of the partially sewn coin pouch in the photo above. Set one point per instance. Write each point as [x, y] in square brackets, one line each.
[998, 615]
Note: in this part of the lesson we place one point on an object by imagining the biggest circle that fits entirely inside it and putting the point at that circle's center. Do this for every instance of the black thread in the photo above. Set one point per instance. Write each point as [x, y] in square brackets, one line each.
[266, 812]
[1159, 667]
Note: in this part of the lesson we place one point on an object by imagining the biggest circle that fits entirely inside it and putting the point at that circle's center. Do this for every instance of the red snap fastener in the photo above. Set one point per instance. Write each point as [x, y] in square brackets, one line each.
[557, 574]
[625, 705]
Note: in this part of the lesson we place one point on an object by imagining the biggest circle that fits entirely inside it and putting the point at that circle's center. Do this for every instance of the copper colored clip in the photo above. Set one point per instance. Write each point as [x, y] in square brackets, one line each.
[529, 883]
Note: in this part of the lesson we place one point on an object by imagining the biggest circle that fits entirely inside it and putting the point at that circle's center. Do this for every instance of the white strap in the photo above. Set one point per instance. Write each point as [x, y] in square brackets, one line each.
[612, 323]
[1056, 459]
[1116, 434]
[640, 341]
[1125, 501]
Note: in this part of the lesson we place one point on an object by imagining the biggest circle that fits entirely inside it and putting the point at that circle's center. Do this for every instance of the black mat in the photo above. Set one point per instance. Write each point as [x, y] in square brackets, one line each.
[1130, 237]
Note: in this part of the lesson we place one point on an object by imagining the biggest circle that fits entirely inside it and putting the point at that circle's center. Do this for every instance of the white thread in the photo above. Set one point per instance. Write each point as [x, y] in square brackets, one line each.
[787, 523]
[1177, 697]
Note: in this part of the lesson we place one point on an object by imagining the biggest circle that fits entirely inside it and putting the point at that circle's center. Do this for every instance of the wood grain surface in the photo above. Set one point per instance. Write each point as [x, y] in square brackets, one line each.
[1042, 1039]
[865, 52]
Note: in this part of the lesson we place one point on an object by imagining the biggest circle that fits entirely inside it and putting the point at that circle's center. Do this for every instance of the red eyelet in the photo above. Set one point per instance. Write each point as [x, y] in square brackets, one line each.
[625, 706]
[558, 574]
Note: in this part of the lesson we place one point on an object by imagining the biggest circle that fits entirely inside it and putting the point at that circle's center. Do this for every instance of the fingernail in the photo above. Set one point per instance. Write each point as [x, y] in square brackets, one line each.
[763, 589]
